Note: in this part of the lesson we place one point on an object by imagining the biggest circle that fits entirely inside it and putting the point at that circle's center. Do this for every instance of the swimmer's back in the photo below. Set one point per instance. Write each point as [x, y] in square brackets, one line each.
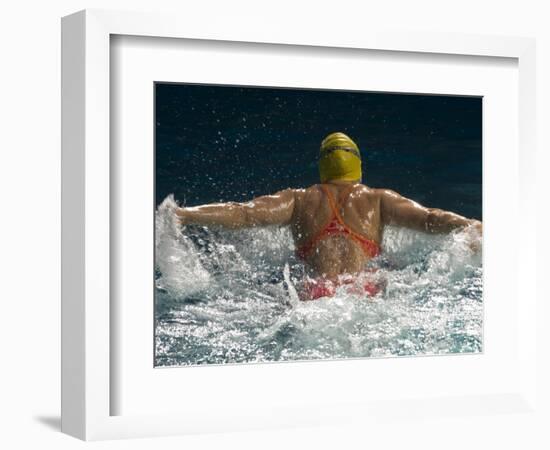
[360, 211]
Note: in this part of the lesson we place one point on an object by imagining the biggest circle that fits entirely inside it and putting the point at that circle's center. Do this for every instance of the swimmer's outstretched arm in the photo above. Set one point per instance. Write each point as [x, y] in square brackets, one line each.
[398, 210]
[276, 209]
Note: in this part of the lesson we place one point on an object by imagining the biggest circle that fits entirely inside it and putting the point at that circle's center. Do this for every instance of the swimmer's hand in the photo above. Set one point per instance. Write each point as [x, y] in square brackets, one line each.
[474, 234]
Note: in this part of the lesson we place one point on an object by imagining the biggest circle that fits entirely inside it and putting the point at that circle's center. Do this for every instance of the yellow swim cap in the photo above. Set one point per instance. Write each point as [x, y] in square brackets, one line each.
[340, 159]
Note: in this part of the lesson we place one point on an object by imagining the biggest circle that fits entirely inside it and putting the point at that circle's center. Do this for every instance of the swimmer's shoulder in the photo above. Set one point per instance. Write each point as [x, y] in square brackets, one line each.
[359, 191]
[314, 191]
[374, 192]
[369, 196]
[364, 191]
[388, 196]
[306, 194]
[307, 191]
[308, 197]
[297, 194]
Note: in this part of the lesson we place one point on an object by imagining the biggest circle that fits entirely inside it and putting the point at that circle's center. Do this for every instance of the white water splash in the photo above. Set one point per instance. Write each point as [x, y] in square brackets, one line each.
[176, 257]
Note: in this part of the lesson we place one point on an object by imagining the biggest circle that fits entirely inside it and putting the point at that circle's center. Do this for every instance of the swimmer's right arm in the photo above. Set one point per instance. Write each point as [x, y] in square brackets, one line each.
[401, 211]
[276, 209]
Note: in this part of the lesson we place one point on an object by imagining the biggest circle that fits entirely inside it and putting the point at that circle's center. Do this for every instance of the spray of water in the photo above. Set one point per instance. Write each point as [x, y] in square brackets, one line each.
[231, 296]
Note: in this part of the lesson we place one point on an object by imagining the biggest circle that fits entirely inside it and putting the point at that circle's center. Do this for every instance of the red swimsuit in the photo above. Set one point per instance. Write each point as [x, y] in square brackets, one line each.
[322, 287]
[336, 225]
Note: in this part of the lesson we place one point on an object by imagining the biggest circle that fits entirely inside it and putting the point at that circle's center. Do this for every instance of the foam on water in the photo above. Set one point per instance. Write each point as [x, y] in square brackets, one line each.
[231, 296]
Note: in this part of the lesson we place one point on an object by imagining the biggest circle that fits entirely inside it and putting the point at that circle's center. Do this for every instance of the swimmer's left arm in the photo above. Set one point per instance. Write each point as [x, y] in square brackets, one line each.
[398, 210]
[276, 209]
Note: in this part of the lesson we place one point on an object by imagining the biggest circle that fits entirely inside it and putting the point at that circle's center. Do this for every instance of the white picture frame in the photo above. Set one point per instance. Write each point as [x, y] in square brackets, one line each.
[87, 328]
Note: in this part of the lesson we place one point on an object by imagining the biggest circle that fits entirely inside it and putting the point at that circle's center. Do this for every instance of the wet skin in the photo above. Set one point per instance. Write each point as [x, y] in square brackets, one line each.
[365, 210]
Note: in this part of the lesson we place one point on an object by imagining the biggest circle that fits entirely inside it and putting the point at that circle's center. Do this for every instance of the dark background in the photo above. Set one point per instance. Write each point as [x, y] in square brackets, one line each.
[225, 143]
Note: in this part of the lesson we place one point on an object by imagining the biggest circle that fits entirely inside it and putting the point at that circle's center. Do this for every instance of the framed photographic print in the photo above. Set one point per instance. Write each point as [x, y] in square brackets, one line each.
[258, 222]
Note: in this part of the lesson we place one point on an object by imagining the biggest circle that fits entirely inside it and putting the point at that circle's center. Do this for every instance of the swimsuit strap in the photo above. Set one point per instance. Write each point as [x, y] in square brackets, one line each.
[369, 246]
[334, 205]
[344, 194]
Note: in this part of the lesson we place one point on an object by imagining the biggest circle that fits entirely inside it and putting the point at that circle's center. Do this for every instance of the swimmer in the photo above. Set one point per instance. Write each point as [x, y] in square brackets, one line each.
[337, 225]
